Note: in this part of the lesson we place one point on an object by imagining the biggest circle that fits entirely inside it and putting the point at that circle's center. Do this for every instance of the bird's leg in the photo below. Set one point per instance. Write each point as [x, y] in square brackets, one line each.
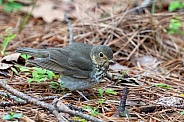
[82, 95]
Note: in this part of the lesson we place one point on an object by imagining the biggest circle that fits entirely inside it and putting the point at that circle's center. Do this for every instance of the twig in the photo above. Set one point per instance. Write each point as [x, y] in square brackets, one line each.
[19, 101]
[59, 117]
[47, 106]
[121, 107]
[70, 28]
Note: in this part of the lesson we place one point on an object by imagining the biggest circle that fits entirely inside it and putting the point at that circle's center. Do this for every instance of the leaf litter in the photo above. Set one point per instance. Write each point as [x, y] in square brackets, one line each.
[153, 57]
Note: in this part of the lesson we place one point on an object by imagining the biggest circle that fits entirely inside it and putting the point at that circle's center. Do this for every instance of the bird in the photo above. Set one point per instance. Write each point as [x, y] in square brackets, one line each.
[80, 65]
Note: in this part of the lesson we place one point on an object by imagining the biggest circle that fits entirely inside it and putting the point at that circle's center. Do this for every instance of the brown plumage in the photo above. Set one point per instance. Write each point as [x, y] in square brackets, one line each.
[81, 65]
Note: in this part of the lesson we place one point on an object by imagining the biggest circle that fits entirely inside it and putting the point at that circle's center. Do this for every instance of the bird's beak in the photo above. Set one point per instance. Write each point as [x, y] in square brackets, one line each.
[111, 61]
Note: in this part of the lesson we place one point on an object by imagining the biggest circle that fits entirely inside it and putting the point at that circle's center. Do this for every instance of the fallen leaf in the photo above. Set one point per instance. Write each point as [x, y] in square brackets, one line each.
[118, 67]
[11, 57]
[5, 66]
[169, 101]
[80, 9]
[145, 62]
[49, 10]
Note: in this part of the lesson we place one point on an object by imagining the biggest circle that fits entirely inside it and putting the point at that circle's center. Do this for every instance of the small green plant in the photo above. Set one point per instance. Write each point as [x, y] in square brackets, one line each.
[25, 57]
[92, 110]
[110, 91]
[12, 115]
[6, 39]
[38, 74]
[101, 101]
[55, 85]
[174, 5]
[106, 91]
[100, 92]
[41, 75]
[24, 69]
[174, 26]
[153, 8]
[125, 72]
[14, 70]
[10, 5]
[175, 23]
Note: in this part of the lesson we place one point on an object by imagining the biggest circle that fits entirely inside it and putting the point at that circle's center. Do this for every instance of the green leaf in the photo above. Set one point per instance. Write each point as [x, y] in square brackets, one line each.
[182, 113]
[10, 6]
[42, 79]
[24, 69]
[23, 56]
[6, 41]
[14, 70]
[54, 85]
[26, 57]
[174, 5]
[175, 24]
[7, 7]
[16, 5]
[125, 72]
[50, 74]
[110, 91]
[87, 108]
[10, 1]
[12, 115]
[100, 91]
[164, 86]
[35, 74]
[8, 29]
[101, 101]
[1, 2]
[39, 70]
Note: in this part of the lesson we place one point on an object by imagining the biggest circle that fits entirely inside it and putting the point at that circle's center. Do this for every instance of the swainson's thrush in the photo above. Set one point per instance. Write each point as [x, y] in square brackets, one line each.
[81, 65]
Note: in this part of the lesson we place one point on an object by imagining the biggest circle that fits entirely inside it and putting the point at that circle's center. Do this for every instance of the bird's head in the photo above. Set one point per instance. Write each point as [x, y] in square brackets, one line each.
[102, 56]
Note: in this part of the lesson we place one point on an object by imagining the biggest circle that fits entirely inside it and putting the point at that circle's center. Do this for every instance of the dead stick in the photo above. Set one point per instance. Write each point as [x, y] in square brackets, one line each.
[122, 105]
[70, 28]
[48, 106]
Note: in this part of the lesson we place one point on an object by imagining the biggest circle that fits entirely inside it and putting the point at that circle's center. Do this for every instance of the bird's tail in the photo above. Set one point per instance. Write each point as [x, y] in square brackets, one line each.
[53, 59]
[39, 53]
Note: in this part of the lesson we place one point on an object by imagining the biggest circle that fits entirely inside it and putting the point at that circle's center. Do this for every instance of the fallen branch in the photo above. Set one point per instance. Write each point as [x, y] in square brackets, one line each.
[55, 110]
[18, 101]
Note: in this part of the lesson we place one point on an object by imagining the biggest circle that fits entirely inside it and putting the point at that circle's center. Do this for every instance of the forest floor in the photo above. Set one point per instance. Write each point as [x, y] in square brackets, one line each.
[148, 54]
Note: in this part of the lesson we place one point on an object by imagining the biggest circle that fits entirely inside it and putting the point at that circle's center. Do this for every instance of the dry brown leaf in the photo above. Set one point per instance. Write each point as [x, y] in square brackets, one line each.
[49, 10]
[81, 9]
[117, 67]
[11, 57]
[169, 101]
[145, 62]
[5, 66]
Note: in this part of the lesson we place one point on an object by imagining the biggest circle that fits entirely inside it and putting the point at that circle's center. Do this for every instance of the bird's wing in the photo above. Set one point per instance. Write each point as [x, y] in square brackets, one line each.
[54, 59]
[59, 60]
[81, 62]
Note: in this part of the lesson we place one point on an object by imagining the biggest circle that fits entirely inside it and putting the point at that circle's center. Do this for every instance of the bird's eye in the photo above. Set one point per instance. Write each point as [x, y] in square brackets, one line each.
[101, 54]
